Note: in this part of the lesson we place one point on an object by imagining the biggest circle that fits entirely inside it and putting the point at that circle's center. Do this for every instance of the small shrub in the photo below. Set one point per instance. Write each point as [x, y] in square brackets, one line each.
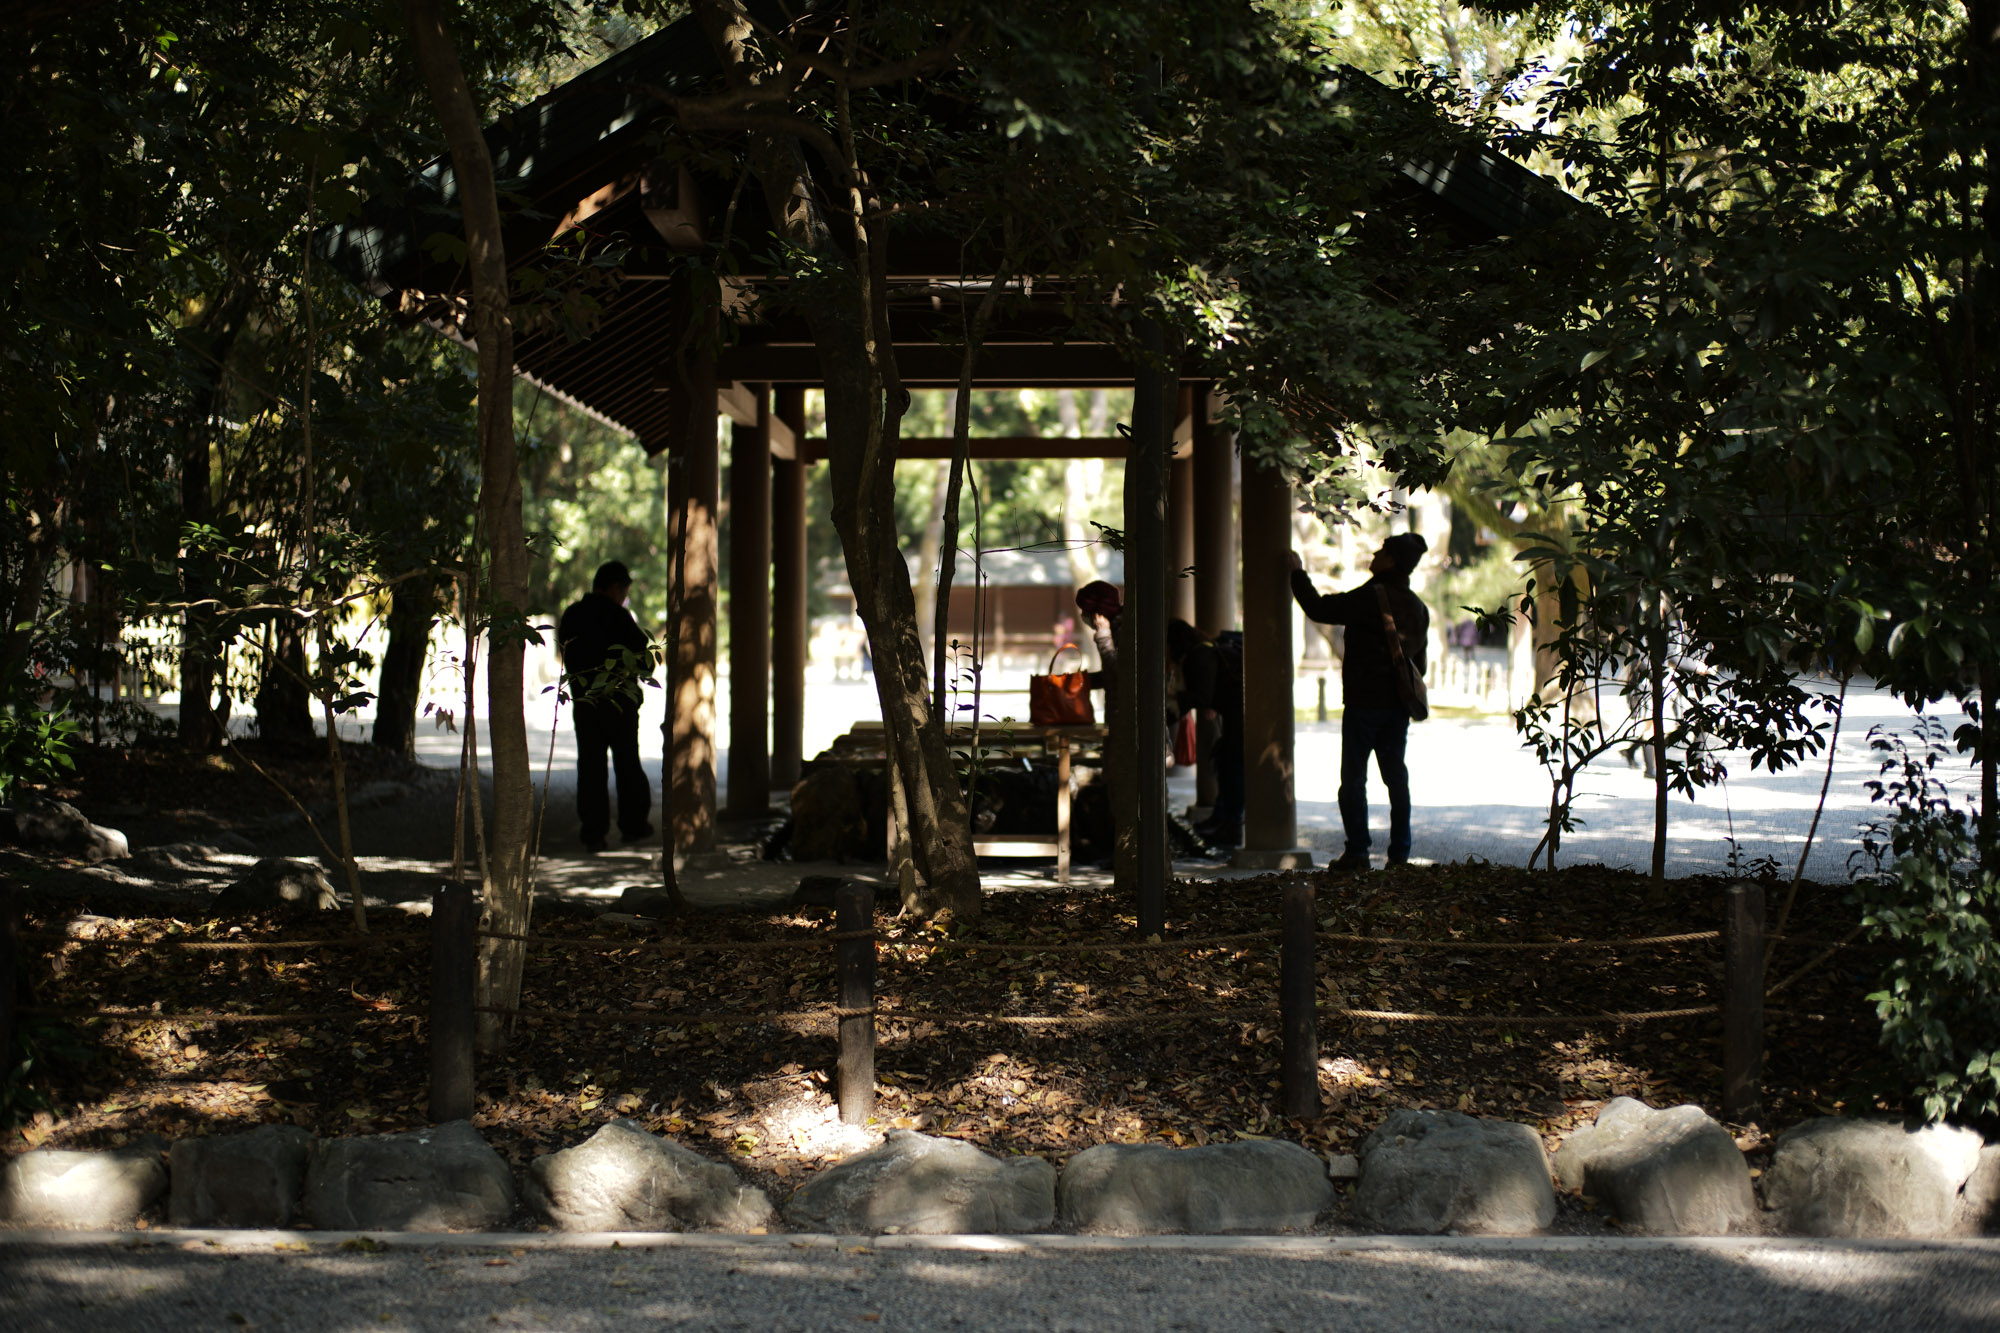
[34, 745]
[1921, 893]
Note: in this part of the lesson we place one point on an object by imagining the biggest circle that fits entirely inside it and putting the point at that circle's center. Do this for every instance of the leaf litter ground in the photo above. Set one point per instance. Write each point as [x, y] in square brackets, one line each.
[758, 1092]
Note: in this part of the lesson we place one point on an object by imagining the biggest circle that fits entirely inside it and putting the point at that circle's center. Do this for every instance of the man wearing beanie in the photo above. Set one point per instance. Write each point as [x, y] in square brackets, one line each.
[1373, 719]
[605, 657]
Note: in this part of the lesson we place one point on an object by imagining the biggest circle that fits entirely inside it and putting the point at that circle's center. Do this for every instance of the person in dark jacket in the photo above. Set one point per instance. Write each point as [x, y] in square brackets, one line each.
[1373, 719]
[1101, 606]
[1212, 680]
[605, 657]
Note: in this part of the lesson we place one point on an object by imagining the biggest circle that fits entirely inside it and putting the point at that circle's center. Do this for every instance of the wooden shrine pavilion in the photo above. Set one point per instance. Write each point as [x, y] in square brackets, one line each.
[585, 163]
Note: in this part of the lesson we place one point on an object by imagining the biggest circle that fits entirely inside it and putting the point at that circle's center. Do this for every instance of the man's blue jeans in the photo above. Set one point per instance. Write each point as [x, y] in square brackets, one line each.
[1381, 732]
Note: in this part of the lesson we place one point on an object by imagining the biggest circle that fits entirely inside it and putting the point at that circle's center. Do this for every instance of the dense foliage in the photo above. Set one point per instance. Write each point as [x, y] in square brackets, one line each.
[1924, 894]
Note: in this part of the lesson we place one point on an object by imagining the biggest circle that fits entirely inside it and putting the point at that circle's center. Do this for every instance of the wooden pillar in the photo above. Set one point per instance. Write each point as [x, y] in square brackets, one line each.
[790, 630]
[1743, 1001]
[854, 918]
[749, 790]
[1298, 994]
[454, 961]
[1270, 806]
[694, 494]
[1214, 483]
[1142, 657]
[1212, 479]
[1180, 542]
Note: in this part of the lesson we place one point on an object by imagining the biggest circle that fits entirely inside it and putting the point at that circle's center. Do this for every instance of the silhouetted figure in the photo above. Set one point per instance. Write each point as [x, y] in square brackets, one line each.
[605, 657]
[1211, 668]
[1373, 718]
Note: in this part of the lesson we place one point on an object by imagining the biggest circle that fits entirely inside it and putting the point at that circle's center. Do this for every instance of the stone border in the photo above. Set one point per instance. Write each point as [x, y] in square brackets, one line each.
[447, 1180]
[319, 1242]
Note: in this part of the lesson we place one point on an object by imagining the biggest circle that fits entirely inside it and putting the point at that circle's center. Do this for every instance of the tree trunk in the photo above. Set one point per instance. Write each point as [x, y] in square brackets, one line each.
[1656, 673]
[412, 611]
[200, 649]
[1978, 461]
[201, 643]
[500, 507]
[928, 547]
[38, 549]
[284, 705]
[847, 314]
[939, 822]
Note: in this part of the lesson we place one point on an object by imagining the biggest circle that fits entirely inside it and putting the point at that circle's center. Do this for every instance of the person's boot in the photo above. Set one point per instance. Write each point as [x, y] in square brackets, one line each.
[1351, 859]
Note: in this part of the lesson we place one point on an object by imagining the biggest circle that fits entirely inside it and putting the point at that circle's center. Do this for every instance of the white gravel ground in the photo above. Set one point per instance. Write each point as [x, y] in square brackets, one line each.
[319, 1281]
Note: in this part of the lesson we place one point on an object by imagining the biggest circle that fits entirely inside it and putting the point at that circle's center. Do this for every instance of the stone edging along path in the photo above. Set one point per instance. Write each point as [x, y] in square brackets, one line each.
[1659, 1172]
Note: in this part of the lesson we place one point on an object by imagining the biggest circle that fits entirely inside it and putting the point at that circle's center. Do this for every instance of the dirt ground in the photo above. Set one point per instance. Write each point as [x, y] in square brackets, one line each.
[731, 1047]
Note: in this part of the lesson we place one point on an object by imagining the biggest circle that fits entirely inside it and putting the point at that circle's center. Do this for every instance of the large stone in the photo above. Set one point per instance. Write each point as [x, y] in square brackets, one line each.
[1250, 1186]
[1671, 1172]
[920, 1185]
[278, 884]
[89, 1190]
[645, 900]
[188, 858]
[1838, 1177]
[444, 1178]
[48, 824]
[1979, 1199]
[1425, 1172]
[623, 1179]
[253, 1179]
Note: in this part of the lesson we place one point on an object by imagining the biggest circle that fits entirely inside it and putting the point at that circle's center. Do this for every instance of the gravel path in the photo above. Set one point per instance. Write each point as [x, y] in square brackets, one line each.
[311, 1281]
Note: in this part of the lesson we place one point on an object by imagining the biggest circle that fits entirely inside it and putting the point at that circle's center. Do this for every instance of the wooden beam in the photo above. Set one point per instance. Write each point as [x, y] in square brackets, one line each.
[930, 366]
[735, 401]
[993, 446]
[784, 444]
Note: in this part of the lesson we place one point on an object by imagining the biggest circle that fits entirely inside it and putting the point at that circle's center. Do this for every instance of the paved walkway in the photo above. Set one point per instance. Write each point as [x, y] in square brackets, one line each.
[1478, 791]
[311, 1281]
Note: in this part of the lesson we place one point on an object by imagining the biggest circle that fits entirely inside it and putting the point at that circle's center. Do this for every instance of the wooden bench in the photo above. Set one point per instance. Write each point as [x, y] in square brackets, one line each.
[864, 744]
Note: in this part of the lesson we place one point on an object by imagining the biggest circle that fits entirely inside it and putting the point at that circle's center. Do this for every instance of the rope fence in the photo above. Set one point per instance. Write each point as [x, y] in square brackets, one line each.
[820, 939]
[221, 1015]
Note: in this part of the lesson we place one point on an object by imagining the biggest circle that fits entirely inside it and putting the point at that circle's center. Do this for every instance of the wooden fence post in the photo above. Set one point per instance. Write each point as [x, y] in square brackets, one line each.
[1743, 1001]
[453, 951]
[1298, 981]
[854, 919]
[10, 979]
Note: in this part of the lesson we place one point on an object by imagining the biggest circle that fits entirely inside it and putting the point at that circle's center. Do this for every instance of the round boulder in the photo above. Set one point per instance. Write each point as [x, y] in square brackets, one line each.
[1671, 1172]
[278, 884]
[1426, 1172]
[87, 1190]
[44, 823]
[253, 1179]
[1255, 1186]
[1873, 1178]
[441, 1179]
[919, 1185]
[623, 1179]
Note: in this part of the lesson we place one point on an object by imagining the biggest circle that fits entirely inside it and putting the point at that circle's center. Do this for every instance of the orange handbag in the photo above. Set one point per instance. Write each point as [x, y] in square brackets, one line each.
[1060, 700]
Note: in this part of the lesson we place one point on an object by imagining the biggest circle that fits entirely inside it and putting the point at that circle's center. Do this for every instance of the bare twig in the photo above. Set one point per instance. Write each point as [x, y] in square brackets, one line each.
[1799, 871]
[286, 792]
